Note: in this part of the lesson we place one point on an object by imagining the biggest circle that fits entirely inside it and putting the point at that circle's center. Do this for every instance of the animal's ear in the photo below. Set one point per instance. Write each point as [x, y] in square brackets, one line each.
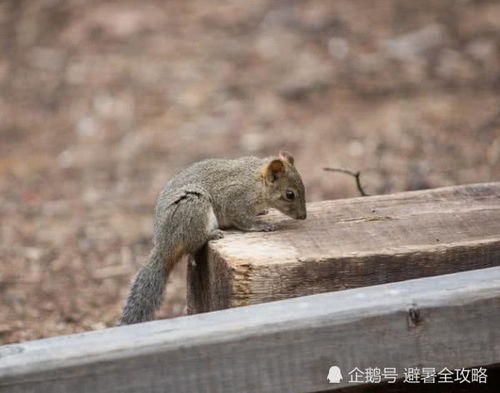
[273, 170]
[285, 156]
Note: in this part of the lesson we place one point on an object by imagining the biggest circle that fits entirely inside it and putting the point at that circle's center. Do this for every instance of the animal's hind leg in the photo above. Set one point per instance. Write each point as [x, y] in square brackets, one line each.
[195, 221]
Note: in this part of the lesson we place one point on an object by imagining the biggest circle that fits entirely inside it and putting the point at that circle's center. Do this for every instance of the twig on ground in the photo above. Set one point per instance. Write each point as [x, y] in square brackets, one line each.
[356, 175]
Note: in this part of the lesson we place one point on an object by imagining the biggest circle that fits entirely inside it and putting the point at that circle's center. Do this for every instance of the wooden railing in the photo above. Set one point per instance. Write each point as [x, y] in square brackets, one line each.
[392, 300]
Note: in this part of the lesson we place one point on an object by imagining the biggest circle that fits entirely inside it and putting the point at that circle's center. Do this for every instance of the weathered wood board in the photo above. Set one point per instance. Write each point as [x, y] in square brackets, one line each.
[287, 346]
[351, 243]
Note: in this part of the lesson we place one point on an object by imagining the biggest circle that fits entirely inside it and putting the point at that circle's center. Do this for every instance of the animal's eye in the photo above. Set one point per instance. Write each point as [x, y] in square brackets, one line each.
[290, 195]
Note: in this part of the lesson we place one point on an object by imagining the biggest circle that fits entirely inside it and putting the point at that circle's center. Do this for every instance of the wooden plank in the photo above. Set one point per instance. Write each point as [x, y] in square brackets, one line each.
[287, 346]
[351, 243]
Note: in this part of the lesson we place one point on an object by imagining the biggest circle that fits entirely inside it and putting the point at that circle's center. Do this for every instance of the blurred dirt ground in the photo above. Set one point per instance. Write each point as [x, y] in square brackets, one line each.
[102, 101]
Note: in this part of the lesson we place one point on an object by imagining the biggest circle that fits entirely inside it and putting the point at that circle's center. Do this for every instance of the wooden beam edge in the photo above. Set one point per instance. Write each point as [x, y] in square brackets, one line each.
[242, 290]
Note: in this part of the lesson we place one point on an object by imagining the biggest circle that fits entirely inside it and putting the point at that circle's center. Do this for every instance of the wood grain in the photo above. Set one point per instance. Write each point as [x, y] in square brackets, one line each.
[351, 243]
[285, 346]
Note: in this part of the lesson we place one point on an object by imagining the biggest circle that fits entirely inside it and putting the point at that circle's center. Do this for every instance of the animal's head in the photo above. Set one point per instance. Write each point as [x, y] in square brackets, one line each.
[284, 185]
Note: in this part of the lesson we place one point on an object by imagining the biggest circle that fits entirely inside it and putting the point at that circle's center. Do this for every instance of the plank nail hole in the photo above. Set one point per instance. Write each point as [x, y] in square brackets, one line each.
[414, 316]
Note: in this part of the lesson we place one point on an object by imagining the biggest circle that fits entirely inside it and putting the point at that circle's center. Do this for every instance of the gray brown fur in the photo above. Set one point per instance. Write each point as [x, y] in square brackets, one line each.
[236, 191]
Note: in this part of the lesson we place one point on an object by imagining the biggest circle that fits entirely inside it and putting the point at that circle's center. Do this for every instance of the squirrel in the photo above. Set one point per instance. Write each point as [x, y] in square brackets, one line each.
[201, 200]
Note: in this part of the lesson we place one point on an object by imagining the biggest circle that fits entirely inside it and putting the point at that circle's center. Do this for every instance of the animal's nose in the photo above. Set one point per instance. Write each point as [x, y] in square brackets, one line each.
[301, 216]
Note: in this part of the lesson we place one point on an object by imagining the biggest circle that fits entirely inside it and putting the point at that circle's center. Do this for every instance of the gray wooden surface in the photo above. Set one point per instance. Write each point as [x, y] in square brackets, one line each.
[351, 243]
[285, 346]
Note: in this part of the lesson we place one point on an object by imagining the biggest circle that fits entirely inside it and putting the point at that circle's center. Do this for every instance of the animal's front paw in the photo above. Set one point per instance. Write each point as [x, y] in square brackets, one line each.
[216, 234]
[268, 228]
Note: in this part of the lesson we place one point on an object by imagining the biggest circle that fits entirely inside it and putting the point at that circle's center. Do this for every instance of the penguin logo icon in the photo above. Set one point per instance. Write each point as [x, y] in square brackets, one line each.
[334, 375]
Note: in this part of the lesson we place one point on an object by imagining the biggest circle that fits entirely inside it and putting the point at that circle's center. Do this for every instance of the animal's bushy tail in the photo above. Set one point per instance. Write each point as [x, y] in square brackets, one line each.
[148, 287]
